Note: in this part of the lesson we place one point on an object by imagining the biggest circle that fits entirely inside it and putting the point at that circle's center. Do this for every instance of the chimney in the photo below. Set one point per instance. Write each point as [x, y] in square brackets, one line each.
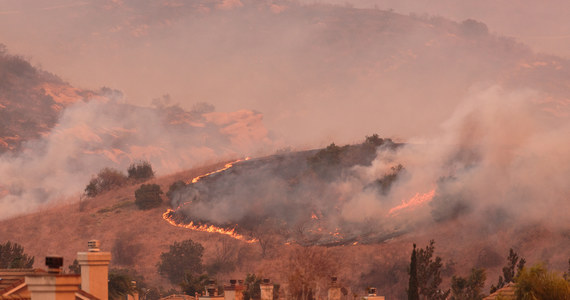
[266, 290]
[54, 264]
[334, 290]
[233, 291]
[53, 285]
[211, 289]
[94, 270]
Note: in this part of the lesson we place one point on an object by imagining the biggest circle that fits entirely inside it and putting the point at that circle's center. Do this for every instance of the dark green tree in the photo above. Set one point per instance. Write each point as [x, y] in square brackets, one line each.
[513, 263]
[148, 196]
[429, 273]
[12, 256]
[468, 288]
[183, 258]
[141, 170]
[539, 283]
[413, 282]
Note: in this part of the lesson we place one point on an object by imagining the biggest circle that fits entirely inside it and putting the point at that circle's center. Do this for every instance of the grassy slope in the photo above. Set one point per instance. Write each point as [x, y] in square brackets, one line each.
[64, 230]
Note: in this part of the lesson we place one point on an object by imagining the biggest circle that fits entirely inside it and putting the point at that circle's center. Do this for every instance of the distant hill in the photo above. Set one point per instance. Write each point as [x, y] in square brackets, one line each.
[31, 101]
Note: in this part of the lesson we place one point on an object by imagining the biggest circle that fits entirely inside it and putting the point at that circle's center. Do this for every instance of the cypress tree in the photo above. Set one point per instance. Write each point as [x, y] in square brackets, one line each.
[413, 283]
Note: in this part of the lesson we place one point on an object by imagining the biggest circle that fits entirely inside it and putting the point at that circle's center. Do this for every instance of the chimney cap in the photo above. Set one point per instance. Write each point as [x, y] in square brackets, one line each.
[54, 264]
[93, 246]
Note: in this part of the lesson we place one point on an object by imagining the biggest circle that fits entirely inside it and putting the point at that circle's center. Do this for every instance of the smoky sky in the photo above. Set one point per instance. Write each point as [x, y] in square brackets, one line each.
[341, 71]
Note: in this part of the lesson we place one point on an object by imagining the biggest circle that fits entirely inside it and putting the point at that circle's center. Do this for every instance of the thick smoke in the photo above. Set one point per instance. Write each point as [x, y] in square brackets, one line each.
[499, 162]
[106, 132]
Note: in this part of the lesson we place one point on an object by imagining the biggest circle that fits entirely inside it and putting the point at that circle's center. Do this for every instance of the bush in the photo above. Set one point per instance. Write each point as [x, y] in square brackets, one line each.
[140, 171]
[107, 179]
[148, 196]
[539, 283]
[182, 259]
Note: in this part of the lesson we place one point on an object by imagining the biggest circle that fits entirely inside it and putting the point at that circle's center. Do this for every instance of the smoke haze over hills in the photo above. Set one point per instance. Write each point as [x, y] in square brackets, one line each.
[314, 73]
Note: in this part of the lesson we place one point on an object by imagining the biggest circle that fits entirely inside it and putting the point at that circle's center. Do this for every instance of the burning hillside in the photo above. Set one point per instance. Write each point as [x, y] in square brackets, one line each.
[295, 197]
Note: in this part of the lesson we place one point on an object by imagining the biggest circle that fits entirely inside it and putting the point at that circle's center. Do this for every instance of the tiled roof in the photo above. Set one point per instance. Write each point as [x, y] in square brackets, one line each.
[11, 278]
[506, 293]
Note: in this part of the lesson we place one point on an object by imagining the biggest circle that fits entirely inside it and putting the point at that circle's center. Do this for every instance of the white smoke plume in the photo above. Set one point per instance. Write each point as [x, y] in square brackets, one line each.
[106, 132]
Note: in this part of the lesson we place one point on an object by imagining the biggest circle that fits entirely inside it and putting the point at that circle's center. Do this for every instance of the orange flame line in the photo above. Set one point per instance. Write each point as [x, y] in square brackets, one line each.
[206, 228]
[167, 216]
[416, 200]
[226, 166]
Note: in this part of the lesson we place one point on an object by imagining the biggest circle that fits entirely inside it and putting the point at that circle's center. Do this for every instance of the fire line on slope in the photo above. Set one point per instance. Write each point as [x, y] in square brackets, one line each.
[169, 214]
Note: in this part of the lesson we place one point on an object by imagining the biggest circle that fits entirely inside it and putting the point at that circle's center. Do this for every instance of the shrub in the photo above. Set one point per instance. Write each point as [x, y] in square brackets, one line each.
[140, 171]
[148, 196]
[106, 179]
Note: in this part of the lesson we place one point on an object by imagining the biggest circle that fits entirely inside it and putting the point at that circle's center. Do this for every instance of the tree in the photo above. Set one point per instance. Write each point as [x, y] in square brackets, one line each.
[413, 282]
[193, 284]
[429, 273]
[106, 179]
[538, 283]
[470, 288]
[126, 249]
[183, 258]
[12, 256]
[509, 270]
[310, 268]
[124, 282]
[75, 268]
[252, 287]
[119, 285]
[148, 196]
[140, 171]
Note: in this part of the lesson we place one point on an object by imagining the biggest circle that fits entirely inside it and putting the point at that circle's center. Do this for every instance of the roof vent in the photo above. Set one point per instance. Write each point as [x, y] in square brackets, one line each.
[93, 245]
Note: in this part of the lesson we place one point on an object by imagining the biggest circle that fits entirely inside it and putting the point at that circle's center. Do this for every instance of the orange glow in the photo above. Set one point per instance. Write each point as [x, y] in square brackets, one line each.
[314, 217]
[167, 216]
[226, 166]
[355, 243]
[417, 200]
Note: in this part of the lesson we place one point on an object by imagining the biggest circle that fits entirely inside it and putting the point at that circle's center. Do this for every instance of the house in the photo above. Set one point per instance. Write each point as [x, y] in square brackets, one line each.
[35, 284]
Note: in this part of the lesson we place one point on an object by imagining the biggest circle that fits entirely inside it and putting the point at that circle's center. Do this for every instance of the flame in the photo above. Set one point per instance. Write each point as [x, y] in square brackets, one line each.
[168, 215]
[314, 217]
[226, 166]
[355, 243]
[417, 200]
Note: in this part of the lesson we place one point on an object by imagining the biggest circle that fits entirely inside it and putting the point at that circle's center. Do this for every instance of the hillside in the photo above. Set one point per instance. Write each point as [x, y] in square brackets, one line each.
[113, 218]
